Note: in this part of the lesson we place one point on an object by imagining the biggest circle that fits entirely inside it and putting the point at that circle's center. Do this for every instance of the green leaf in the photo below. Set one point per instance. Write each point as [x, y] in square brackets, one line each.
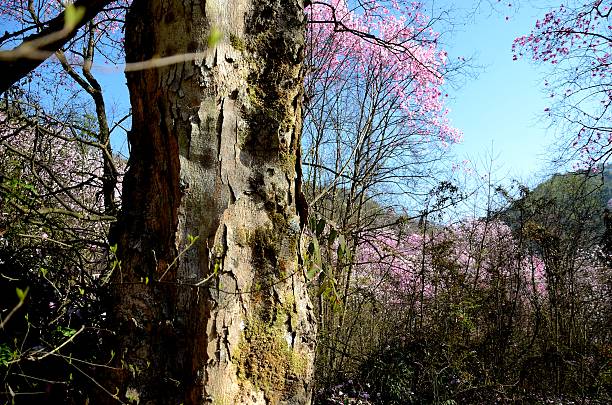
[217, 266]
[312, 271]
[342, 251]
[72, 16]
[21, 294]
[29, 187]
[313, 223]
[66, 332]
[214, 37]
[6, 354]
[315, 252]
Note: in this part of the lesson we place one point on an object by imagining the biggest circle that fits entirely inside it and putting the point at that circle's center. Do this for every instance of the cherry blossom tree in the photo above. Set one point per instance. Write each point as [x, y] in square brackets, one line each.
[481, 252]
[477, 288]
[575, 40]
[375, 127]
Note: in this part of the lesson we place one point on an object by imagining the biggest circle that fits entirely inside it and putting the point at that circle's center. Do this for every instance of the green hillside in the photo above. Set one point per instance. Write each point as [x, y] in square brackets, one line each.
[563, 202]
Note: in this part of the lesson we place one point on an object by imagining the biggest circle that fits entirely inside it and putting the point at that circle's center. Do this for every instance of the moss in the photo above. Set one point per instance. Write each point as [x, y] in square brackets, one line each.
[274, 249]
[278, 219]
[243, 137]
[288, 161]
[266, 250]
[288, 307]
[267, 241]
[259, 137]
[264, 357]
[236, 42]
[270, 90]
[253, 96]
[265, 246]
[299, 363]
[284, 267]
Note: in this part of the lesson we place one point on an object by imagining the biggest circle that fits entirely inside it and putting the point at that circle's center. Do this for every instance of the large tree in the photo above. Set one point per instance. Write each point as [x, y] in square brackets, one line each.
[223, 318]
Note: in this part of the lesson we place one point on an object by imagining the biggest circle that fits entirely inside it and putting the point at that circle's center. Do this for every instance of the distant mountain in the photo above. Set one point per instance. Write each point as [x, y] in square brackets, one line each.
[576, 182]
[564, 203]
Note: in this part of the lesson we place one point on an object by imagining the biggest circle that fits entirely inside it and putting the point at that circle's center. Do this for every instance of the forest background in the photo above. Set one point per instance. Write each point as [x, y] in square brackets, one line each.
[432, 281]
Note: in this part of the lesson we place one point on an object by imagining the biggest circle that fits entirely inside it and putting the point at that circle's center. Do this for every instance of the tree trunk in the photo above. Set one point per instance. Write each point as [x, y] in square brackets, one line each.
[225, 319]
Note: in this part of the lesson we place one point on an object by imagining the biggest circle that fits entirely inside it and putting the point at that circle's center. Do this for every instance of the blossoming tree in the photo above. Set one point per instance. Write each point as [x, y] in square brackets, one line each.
[374, 129]
[575, 40]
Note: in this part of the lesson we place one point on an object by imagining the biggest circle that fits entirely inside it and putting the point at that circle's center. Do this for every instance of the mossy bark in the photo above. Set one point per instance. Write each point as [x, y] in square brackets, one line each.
[210, 143]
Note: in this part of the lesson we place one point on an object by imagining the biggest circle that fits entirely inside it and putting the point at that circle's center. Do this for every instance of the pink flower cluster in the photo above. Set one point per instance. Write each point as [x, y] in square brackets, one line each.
[577, 43]
[475, 254]
[395, 42]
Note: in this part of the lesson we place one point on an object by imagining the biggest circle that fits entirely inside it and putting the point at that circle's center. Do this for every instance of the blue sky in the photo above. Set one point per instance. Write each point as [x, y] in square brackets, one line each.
[117, 97]
[501, 112]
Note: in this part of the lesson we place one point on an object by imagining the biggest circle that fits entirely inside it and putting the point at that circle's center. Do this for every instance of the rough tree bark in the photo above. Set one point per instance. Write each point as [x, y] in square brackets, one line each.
[213, 155]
